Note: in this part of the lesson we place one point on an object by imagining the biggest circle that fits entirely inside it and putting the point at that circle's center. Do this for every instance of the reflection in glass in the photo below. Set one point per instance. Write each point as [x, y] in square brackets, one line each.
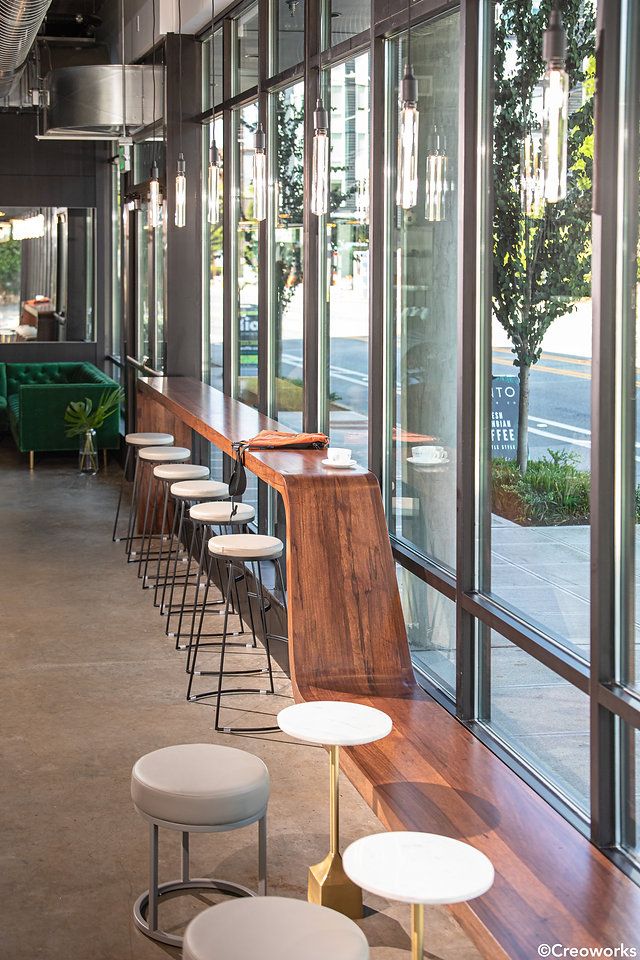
[538, 440]
[631, 791]
[246, 228]
[212, 97]
[143, 274]
[214, 261]
[422, 259]
[288, 30]
[430, 620]
[346, 258]
[288, 254]
[343, 19]
[246, 72]
[541, 717]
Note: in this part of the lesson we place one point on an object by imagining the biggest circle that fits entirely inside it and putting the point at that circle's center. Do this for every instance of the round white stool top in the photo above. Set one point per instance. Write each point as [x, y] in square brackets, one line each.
[418, 867]
[273, 928]
[165, 454]
[334, 722]
[149, 439]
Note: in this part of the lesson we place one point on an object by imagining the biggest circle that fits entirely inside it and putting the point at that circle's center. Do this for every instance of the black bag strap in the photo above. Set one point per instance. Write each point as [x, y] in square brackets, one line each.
[238, 478]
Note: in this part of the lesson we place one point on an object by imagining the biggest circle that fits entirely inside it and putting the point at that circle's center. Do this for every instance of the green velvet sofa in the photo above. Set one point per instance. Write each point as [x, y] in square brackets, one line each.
[34, 397]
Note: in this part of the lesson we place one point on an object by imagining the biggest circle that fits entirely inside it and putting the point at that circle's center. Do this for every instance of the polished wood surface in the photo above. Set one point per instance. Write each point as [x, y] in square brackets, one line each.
[347, 640]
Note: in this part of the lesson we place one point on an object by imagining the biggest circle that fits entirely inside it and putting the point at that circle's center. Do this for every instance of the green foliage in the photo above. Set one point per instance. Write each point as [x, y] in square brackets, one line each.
[10, 258]
[288, 268]
[80, 415]
[551, 492]
[541, 266]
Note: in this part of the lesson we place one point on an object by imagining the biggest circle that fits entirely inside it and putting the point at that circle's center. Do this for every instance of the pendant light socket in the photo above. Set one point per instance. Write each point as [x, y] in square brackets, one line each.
[409, 86]
[554, 40]
[320, 116]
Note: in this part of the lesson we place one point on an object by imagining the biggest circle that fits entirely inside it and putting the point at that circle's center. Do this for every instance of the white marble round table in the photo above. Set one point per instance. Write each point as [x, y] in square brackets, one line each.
[418, 868]
[335, 724]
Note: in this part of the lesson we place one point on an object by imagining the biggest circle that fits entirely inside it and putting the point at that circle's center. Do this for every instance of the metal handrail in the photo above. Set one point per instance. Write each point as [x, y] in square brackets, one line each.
[141, 366]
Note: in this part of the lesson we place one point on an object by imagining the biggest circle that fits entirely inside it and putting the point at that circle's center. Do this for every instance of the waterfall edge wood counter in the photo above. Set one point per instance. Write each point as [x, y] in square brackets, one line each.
[347, 640]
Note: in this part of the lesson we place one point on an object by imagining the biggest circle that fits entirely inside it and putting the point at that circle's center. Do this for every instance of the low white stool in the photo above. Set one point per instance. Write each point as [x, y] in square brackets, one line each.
[334, 723]
[150, 457]
[273, 928]
[197, 788]
[418, 868]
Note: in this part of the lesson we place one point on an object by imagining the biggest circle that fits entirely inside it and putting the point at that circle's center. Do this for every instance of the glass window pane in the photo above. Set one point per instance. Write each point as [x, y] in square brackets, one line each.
[246, 66]
[631, 793]
[212, 71]
[246, 260]
[214, 264]
[288, 31]
[541, 717]
[142, 279]
[430, 620]
[344, 19]
[539, 437]
[423, 304]
[287, 253]
[344, 265]
[630, 275]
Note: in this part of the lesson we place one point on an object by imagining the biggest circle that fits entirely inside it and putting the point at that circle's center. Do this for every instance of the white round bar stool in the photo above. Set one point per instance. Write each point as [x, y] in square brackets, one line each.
[184, 493]
[148, 458]
[242, 553]
[203, 517]
[334, 723]
[197, 788]
[273, 928]
[165, 474]
[134, 441]
[418, 868]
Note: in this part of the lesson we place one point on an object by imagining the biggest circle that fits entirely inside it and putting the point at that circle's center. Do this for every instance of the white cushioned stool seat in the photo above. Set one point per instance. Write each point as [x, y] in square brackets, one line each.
[149, 439]
[221, 512]
[164, 454]
[249, 545]
[273, 928]
[197, 489]
[200, 784]
[181, 471]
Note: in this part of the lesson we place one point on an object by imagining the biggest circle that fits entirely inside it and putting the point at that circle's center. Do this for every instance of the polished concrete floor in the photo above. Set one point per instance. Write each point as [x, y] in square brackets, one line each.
[89, 682]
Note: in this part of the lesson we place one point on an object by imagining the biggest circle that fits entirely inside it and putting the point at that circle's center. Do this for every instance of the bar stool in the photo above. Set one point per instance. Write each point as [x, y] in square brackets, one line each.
[273, 928]
[418, 868]
[150, 457]
[197, 788]
[240, 552]
[203, 517]
[166, 474]
[185, 493]
[135, 441]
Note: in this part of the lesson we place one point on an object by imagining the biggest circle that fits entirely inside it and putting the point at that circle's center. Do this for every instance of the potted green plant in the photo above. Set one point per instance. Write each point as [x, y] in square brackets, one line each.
[83, 421]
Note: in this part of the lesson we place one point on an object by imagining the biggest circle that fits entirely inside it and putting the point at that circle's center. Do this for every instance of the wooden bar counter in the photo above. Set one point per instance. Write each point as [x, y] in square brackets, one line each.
[347, 640]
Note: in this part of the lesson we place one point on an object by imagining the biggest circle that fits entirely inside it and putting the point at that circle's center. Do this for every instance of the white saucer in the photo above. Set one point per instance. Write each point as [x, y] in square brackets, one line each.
[427, 463]
[340, 466]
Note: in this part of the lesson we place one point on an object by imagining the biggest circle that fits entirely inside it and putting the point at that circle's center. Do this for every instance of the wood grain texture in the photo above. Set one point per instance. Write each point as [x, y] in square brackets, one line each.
[347, 640]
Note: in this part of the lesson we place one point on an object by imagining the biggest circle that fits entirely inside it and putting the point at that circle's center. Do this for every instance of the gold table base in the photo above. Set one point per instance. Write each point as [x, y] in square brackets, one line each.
[329, 886]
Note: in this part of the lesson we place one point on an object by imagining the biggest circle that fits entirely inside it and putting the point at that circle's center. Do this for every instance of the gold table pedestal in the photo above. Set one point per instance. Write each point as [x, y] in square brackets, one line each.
[417, 931]
[329, 886]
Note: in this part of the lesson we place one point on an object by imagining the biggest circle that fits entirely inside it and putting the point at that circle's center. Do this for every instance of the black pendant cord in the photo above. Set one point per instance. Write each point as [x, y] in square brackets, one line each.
[154, 158]
[212, 65]
[180, 71]
[409, 36]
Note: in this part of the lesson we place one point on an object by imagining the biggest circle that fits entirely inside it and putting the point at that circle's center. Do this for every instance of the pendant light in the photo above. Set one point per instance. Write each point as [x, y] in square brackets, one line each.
[155, 196]
[214, 180]
[531, 176]
[555, 107]
[260, 174]
[436, 183]
[180, 213]
[407, 185]
[320, 161]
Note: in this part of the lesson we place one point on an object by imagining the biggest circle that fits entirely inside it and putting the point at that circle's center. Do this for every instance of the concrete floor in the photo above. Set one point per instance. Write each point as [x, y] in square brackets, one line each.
[89, 683]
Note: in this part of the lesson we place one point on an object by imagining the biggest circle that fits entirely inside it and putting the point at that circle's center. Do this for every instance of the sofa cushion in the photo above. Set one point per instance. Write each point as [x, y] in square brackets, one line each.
[3, 382]
[19, 374]
[13, 404]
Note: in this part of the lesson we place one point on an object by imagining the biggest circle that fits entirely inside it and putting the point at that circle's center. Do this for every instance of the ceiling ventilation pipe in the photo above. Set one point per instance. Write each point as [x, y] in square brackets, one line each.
[20, 21]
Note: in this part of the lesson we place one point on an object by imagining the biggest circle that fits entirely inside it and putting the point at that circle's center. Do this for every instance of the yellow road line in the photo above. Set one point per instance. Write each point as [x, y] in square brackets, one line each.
[560, 373]
[552, 356]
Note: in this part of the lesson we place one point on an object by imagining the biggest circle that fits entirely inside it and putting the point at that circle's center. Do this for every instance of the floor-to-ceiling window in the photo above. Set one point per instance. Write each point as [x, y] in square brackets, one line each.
[422, 312]
[214, 259]
[286, 255]
[456, 344]
[344, 259]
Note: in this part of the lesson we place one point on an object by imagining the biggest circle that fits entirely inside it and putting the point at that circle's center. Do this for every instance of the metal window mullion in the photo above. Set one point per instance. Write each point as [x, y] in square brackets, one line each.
[228, 244]
[311, 291]
[467, 453]
[605, 484]
[377, 232]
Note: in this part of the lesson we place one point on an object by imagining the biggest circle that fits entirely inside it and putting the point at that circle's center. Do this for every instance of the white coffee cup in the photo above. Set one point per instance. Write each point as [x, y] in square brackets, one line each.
[339, 455]
[429, 454]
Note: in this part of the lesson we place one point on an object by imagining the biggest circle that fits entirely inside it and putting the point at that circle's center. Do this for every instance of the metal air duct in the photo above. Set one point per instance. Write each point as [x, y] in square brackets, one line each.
[20, 21]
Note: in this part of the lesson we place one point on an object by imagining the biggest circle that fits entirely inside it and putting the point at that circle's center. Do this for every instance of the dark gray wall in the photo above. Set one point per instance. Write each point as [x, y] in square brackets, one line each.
[40, 173]
[48, 352]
